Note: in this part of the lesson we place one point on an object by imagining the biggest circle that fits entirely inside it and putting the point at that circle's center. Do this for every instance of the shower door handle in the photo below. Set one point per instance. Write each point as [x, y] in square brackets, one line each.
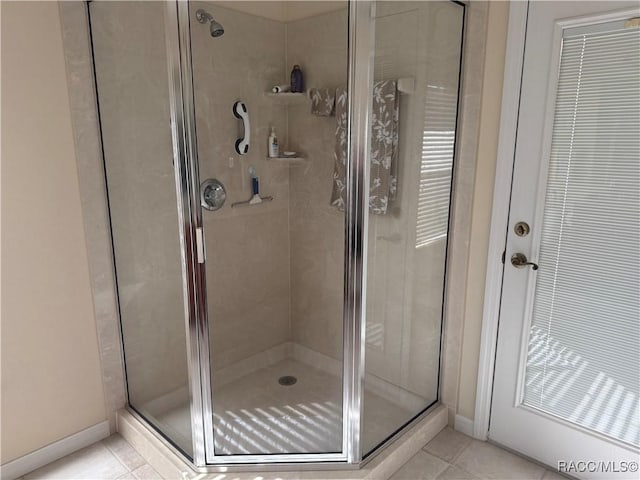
[200, 250]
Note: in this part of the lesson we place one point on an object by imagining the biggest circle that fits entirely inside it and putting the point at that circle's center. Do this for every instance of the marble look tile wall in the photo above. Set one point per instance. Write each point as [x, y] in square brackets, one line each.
[462, 205]
[132, 85]
[319, 45]
[248, 286]
[82, 97]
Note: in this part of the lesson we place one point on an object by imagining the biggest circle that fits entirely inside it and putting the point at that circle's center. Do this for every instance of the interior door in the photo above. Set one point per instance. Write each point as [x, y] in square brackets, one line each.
[567, 386]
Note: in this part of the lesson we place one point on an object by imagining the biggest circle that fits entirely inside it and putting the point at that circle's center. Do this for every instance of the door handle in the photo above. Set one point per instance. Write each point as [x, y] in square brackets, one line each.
[519, 260]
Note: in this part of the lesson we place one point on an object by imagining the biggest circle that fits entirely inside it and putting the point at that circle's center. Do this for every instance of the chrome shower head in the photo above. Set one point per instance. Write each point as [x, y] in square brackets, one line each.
[215, 28]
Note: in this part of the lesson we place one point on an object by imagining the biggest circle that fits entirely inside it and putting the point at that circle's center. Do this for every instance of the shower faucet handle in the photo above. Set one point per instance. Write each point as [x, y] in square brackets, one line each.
[212, 194]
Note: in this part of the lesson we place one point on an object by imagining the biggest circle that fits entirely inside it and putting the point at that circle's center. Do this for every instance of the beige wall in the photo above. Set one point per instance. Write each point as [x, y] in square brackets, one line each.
[482, 201]
[51, 381]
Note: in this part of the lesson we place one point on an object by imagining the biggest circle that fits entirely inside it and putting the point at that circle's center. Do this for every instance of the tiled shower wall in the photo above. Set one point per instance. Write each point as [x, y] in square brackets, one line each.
[319, 45]
[247, 247]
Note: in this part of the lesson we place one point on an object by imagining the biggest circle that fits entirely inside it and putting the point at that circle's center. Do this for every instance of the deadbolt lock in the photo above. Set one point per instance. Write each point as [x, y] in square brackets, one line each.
[522, 229]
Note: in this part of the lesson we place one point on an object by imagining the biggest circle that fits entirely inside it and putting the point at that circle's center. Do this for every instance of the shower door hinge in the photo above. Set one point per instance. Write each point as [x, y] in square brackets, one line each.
[200, 252]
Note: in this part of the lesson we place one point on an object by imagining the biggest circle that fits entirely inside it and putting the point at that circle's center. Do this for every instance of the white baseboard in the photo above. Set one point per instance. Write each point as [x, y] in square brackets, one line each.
[464, 425]
[54, 451]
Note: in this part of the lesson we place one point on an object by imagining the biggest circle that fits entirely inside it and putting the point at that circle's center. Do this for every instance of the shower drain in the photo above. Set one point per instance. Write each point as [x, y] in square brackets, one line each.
[287, 380]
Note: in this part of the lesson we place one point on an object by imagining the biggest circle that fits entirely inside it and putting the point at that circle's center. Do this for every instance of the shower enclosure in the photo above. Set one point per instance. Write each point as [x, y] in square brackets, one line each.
[288, 308]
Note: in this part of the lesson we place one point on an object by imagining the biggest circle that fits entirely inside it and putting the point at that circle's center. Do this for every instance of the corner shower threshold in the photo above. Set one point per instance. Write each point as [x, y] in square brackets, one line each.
[169, 463]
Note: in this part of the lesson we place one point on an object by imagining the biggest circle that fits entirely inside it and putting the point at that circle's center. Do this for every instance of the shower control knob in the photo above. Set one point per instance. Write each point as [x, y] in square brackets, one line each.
[212, 194]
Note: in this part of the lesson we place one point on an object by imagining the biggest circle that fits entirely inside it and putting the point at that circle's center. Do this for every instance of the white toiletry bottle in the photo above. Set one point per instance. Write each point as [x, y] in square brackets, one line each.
[274, 149]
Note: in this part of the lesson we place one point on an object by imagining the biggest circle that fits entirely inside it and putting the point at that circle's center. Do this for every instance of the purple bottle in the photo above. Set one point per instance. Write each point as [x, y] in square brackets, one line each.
[297, 83]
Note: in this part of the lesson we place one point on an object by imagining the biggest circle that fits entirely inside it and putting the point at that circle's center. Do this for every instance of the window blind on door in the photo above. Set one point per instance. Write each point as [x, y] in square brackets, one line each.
[583, 359]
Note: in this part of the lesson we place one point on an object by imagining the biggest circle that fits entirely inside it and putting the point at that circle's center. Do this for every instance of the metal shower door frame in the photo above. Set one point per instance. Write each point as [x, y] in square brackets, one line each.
[183, 127]
[190, 217]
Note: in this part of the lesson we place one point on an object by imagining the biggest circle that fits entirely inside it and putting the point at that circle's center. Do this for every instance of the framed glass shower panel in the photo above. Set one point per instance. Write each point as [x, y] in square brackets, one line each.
[133, 93]
[414, 103]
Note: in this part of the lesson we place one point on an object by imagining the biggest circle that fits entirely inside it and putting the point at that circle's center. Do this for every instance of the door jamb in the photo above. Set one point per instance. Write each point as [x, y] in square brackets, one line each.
[514, 61]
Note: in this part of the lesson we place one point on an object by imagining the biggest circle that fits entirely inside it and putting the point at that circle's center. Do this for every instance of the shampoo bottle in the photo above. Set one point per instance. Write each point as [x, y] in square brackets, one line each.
[273, 147]
[297, 82]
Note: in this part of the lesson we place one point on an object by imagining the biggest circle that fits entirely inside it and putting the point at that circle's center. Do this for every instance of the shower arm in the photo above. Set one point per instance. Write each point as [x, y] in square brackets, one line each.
[203, 16]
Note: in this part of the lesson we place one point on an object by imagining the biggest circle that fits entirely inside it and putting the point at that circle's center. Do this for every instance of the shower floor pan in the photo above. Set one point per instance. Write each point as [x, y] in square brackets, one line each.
[256, 414]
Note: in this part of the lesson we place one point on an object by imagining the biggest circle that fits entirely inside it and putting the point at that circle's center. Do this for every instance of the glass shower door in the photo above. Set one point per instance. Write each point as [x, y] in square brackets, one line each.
[414, 101]
[130, 65]
[275, 246]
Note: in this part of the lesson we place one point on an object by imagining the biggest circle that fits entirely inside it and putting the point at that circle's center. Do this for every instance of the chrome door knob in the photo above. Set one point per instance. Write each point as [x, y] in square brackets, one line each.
[519, 260]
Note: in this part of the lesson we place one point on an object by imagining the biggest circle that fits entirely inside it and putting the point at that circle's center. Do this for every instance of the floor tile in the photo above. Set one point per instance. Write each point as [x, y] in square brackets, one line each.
[95, 462]
[550, 475]
[146, 472]
[124, 452]
[422, 466]
[489, 461]
[456, 473]
[127, 476]
[448, 444]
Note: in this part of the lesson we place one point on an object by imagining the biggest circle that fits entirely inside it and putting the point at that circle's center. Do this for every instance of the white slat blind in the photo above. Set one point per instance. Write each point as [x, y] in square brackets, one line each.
[436, 166]
[584, 348]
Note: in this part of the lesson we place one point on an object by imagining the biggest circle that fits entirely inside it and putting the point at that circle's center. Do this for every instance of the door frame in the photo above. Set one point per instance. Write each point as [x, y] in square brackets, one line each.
[505, 162]
[514, 62]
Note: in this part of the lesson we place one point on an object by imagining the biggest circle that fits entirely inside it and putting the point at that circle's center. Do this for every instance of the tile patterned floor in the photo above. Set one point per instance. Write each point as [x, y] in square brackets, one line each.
[110, 459]
[450, 455]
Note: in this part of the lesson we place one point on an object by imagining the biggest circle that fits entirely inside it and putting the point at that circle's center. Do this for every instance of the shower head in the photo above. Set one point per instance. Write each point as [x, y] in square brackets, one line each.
[215, 27]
